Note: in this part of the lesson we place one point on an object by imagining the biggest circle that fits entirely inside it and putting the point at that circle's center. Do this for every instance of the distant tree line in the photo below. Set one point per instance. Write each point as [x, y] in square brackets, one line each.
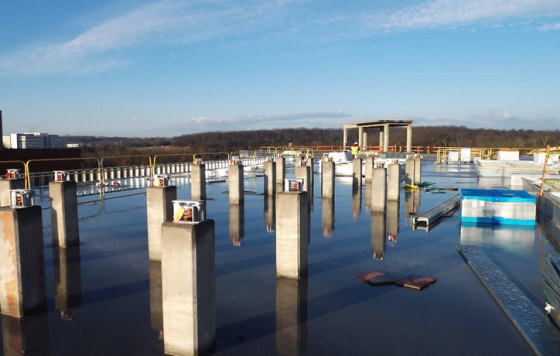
[231, 141]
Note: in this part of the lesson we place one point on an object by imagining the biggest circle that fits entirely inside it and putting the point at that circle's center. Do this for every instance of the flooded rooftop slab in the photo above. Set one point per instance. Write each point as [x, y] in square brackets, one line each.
[104, 297]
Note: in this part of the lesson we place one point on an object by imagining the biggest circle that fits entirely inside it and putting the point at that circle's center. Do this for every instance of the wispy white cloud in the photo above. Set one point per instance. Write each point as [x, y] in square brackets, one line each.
[550, 27]
[323, 119]
[439, 13]
[183, 22]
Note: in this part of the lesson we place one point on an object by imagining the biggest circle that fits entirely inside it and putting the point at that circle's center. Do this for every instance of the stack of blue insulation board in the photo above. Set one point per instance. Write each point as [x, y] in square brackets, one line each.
[494, 206]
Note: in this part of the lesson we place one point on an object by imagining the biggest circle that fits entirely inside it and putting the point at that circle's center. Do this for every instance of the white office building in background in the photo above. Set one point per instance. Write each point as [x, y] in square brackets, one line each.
[33, 140]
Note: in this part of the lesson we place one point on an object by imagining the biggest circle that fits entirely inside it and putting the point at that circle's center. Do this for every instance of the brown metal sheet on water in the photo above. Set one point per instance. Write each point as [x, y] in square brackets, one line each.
[415, 282]
[376, 278]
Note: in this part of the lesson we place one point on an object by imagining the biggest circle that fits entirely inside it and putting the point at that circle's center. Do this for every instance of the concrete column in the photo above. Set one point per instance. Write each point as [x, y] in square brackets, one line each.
[68, 281]
[369, 167]
[327, 214]
[378, 189]
[9, 184]
[292, 234]
[198, 182]
[409, 172]
[159, 205]
[156, 303]
[64, 214]
[393, 182]
[236, 223]
[22, 270]
[360, 138]
[365, 140]
[235, 183]
[409, 138]
[269, 178]
[357, 172]
[345, 137]
[270, 212]
[189, 288]
[327, 180]
[304, 173]
[378, 235]
[280, 171]
[381, 141]
[291, 316]
[386, 138]
[417, 169]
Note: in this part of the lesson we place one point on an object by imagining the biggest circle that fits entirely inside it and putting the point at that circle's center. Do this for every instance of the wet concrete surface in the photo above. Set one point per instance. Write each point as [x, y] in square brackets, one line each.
[105, 298]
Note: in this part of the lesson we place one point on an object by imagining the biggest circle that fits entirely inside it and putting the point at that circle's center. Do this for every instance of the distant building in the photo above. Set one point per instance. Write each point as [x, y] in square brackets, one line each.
[34, 140]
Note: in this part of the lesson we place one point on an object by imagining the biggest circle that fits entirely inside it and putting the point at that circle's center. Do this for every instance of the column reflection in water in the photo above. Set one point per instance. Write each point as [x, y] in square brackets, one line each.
[378, 235]
[236, 223]
[156, 306]
[411, 201]
[270, 212]
[68, 280]
[26, 335]
[368, 196]
[393, 221]
[328, 216]
[291, 316]
[356, 202]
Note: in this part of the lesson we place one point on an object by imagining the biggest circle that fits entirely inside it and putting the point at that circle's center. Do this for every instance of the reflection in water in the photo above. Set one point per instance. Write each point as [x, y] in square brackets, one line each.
[356, 201]
[27, 335]
[156, 304]
[378, 235]
[291, 316]
[368, 196]
[328, 216]
[68, 280]
[392, 221]
[270, 212]
[411, 201]
[508, 237]
[236, 223]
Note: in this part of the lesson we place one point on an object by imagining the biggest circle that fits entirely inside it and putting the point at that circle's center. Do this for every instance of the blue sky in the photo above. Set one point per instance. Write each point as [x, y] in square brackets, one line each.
[171, 67]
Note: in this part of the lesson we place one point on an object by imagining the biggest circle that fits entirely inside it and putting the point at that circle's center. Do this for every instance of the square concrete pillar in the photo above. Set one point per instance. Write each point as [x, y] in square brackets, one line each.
[22, 269]
[310, 164]
[198, 182]
[327, 180]
[357, 172]
[64, 214]
[378, 241]
[409, 172]
[9, 184]
[236, 223]
[369, 166]
[269, 178]
[417, 169]
[159, 205]
[386, 138]
[68, 281]
[393, 182]
[291, 316]
[188, 287]
[378, 189]
[292, 234]
[327, 215]
[235, 183]
[304, 173]
[409, 138]
[280, 170]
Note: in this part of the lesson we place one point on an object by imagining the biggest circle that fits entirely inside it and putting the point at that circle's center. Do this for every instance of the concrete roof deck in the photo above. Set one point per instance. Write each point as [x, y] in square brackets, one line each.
[376, 123]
